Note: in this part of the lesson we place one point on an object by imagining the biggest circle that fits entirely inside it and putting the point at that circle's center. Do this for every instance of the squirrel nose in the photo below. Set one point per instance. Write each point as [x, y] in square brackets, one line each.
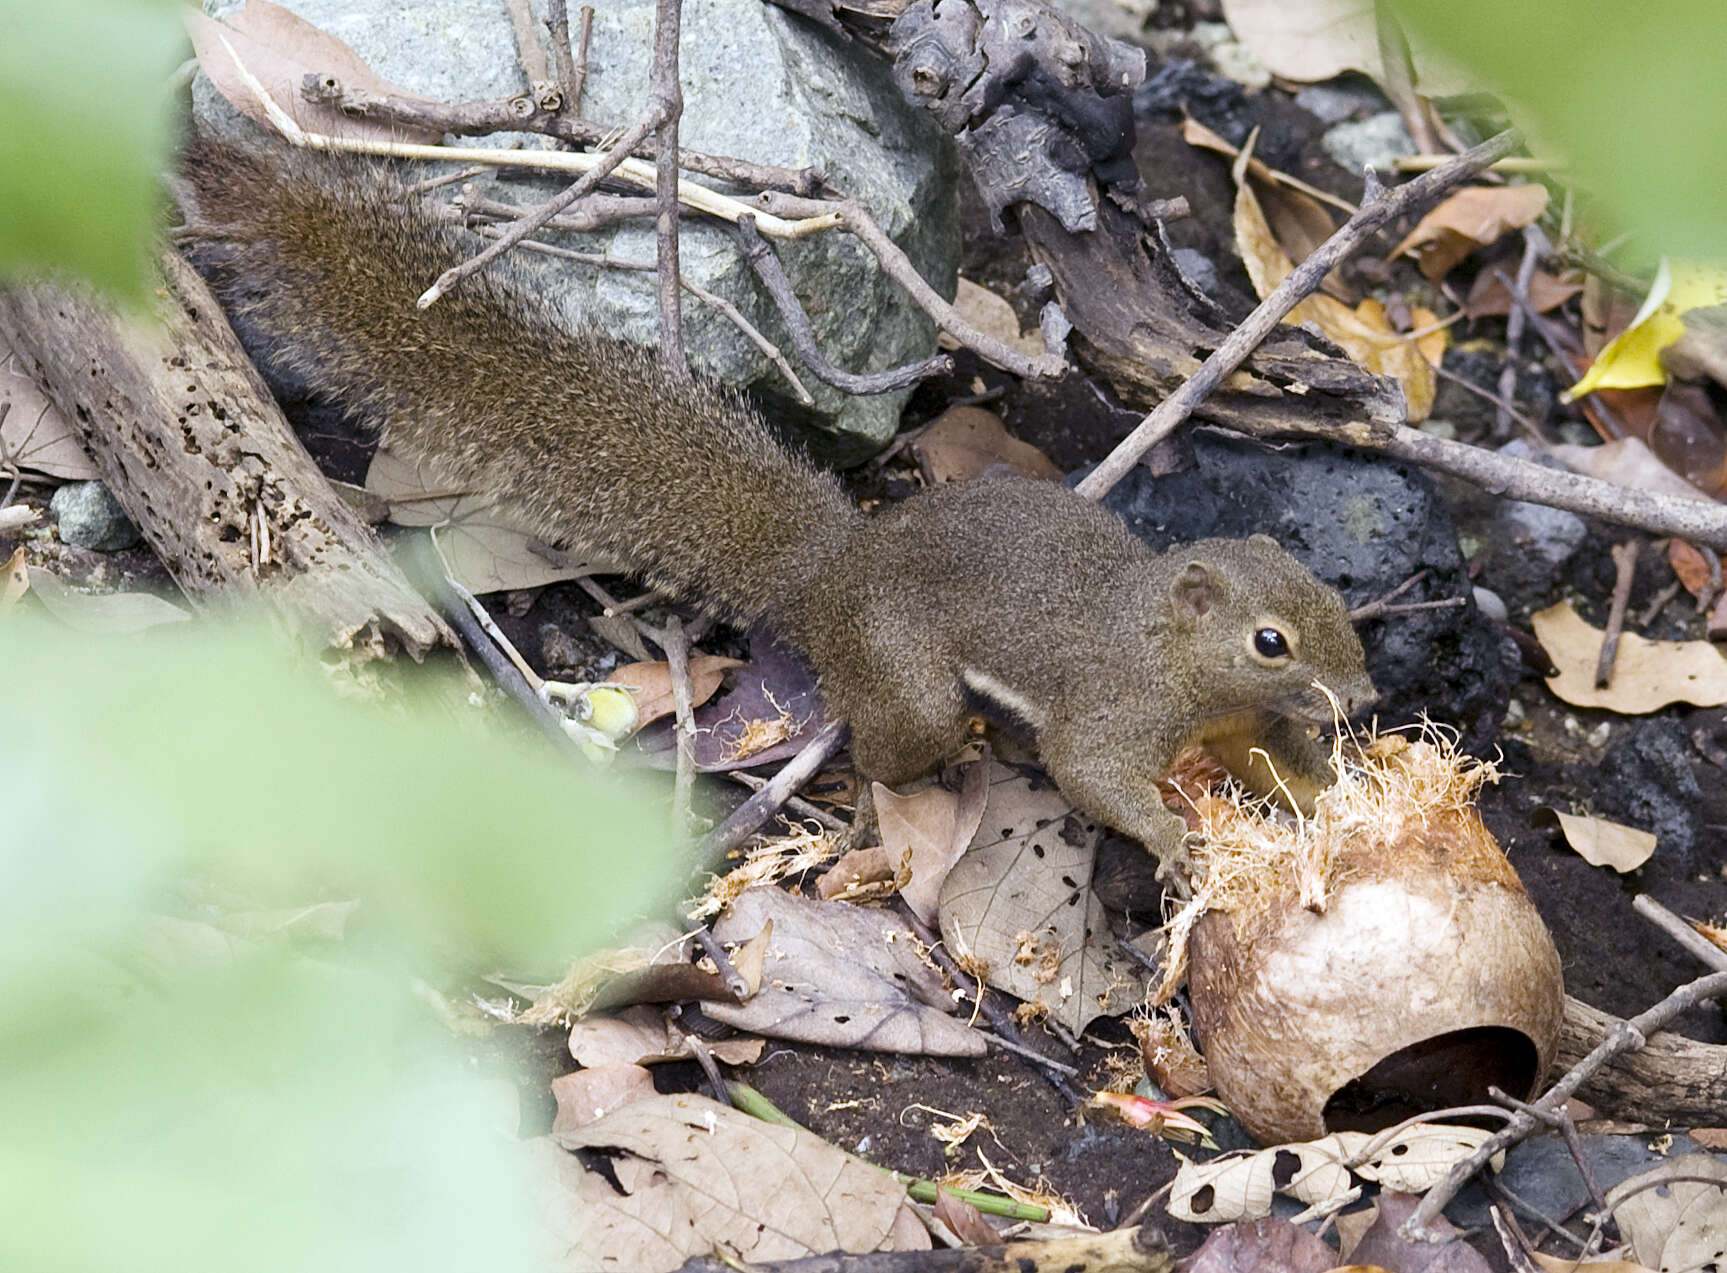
[1358, 696]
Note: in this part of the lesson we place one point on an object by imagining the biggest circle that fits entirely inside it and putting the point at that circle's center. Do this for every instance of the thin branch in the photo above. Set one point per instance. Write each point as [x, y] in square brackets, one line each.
[1514, 322]
[793, 804]
[677, 649]
[668, 106]
[534, 218]
[761, 806]
[524, 114]
[802, 334]
[894, 262]
[592, 213]
[1627, 1036]
[1377, 208]
[528, 50]
[1625, 568]
[579, 73]
[1699, 521]
[715, 301]
[563, 65]
[1705, 950]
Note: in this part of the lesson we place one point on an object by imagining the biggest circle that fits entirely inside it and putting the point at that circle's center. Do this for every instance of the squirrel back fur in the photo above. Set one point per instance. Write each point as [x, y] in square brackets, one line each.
[490, 389]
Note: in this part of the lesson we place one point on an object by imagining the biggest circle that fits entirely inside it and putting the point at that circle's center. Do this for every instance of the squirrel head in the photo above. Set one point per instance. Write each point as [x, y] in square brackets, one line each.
[1266, 630]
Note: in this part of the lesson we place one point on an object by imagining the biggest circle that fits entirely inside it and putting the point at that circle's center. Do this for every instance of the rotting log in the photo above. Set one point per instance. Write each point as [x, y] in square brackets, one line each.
[1671, 1080]
[187, 436]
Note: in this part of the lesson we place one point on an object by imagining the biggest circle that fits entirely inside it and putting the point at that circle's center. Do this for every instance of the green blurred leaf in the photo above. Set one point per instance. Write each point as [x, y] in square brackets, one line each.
[177, 1098]
[86, 123]
[1631, 94]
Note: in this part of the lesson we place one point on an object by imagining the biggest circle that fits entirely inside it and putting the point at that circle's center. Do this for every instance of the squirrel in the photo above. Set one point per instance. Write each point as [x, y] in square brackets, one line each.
[1014, 593]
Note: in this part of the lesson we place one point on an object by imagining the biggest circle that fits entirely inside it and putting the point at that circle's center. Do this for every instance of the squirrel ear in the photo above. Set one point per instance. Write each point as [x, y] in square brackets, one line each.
[1267, 540]
[1194, 590]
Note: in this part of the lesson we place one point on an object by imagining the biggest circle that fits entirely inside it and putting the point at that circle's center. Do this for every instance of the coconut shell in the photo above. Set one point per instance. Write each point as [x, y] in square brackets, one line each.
[1427, 976]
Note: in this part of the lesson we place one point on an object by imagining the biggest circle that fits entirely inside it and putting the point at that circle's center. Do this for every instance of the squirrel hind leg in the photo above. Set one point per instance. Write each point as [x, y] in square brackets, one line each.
[897, 740]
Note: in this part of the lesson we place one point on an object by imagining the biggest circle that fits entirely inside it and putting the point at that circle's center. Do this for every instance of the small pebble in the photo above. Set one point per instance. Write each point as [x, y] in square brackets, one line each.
[90, 517]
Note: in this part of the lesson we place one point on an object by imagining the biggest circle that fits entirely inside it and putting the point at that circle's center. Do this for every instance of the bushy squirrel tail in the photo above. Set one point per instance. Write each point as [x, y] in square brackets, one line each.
[581, 439]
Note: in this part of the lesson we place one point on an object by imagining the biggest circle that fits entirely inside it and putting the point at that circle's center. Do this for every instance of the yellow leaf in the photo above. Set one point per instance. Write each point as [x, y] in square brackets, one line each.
[1363, 332]
[1632, 359]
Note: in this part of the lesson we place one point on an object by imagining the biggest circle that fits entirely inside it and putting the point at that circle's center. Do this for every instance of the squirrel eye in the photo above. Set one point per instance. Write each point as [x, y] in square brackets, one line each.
[1269, 643]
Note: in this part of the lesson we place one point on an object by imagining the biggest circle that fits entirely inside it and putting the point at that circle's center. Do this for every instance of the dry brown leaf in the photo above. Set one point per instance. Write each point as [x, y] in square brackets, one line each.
[1489, 296]
[992, 316]
[964, 1219]
[1603, 843]
[1267, 1245]
[1171, 1061]
[1647, 675]
[1710, 1137]
[1292, 208]
[652, 683]
[1019, 907]
[965, 442]
[693, 1176]
[481, 549]
[867, 873]
[280, 49]
[1473, 217]
[1714, 934]
[1312, 40]
[1363, 332]
[14, 577]
[105, 613]
[841, 975]
[1555, 1264]
[925, 834]
[588, 1095]
[1672, 1222]
[33, 433]
[642, 1036]
[1627, 462]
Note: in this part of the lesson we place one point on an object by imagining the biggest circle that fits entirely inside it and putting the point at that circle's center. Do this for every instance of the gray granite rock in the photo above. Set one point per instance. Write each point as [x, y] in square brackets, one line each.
[759, 84]
[1372, 143]
[90, 517]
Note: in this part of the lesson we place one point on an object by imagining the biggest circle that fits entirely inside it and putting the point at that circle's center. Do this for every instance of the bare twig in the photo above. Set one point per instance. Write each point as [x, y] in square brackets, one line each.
[523, 114]
[1519, 289]
[803, 338]
[715, 950]
[588, 214]
[1698, 521]
[563, 65]
[528, 50]
[1658, 603]
[761, 806]
[1627, 1036]
[894, 262]
[1625, 564]
[1378, 603]
[1378, 207]
[579, 72]
[1503, 406]
[667, 105]
[736, 316]
[677, 648]
[1560, 1120]
[1705, 950]
[796, 805]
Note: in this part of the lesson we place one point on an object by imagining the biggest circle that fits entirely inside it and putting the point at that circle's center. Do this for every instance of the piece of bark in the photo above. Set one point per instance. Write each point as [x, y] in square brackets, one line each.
[1671, 1079]
[192, 445]
[1042, 110]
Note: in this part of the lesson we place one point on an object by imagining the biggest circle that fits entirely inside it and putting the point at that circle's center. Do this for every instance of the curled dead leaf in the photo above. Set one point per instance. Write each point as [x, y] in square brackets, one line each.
[1473, 217]
[1600, 842]
[1647, 675]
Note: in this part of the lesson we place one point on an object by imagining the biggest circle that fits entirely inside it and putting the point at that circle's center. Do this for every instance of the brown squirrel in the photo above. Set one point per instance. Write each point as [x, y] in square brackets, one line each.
[1016, 592]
